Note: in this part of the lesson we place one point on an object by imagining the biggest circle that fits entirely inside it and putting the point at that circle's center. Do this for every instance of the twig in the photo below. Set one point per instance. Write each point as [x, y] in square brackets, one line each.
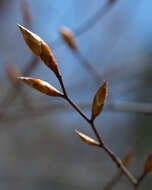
[101, 143]
[113, 182]
[93, 20]
[14, 92]
[88, 24]
[131, 107]
[89, 67]
[41, 49]
[140, 179]
[40, 110]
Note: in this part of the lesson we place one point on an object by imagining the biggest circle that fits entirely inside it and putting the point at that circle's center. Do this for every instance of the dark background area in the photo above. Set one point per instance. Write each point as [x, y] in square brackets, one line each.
[39, 148]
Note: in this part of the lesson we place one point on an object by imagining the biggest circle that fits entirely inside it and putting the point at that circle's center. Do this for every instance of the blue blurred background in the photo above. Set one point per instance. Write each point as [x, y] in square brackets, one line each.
[38, 145]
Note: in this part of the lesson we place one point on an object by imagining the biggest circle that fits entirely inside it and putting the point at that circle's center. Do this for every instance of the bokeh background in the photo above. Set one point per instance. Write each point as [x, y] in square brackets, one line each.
[39, 149]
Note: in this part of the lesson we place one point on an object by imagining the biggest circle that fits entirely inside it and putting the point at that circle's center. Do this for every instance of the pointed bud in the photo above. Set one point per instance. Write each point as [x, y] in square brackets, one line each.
[127, 159]
[41, 86]
[13, 72]
[148, 164]
[99, 100]
[68, 37]
[87, 139]
[39, 48]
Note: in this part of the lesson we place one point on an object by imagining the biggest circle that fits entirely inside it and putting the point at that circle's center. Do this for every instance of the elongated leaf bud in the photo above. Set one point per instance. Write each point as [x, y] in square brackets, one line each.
[68, 37]
[127, 158]
[41, 86]
[99, 100]
[148, 165]
[39, 48]
[87, 139]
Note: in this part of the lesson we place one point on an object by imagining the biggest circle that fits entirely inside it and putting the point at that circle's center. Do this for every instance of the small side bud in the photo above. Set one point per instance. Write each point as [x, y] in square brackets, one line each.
[39, 48]
[41, 86]
[68, 37]
[87, 139]
[127, 158]
[99, 100]
[148, 165]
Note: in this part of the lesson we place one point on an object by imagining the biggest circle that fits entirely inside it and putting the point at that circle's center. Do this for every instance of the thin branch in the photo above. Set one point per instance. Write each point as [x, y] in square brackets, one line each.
[89, 67]
[87, 25]
[120, 165]
[113, 181]
[140, 179]
[94, 19]
[100, 140]
[43, 109]
[13, 92]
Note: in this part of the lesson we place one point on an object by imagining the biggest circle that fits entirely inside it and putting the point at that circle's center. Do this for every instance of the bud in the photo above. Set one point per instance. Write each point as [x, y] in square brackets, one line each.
[41, 86]
[99, 100]
[68, 37]
[87, 139]
[13, 72]
[127, 158]
[39, 48]
[148, 164]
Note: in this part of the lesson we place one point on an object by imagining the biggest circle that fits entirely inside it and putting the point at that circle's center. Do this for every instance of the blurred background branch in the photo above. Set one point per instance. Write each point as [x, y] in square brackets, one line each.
[116, 46]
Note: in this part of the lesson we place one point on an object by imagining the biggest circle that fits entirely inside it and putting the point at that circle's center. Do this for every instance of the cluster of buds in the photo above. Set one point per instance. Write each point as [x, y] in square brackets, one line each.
[40, 49]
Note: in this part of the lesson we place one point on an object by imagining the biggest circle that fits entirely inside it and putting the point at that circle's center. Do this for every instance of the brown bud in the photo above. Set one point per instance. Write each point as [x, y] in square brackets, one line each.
[68, 37]
[87, 139]
[99, 100]
[13, 72]
[39, 48]
[148, 164]
[41, 86]
[127, 158]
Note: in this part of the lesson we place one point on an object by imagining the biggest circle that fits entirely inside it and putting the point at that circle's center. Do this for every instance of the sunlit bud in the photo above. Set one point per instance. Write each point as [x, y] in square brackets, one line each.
[41, 86]
[39, 48]
[87, 139]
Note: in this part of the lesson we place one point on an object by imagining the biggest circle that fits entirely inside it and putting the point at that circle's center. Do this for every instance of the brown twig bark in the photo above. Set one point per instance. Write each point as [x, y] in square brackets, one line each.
[100, 140]
[43, 109]
[140, 179]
